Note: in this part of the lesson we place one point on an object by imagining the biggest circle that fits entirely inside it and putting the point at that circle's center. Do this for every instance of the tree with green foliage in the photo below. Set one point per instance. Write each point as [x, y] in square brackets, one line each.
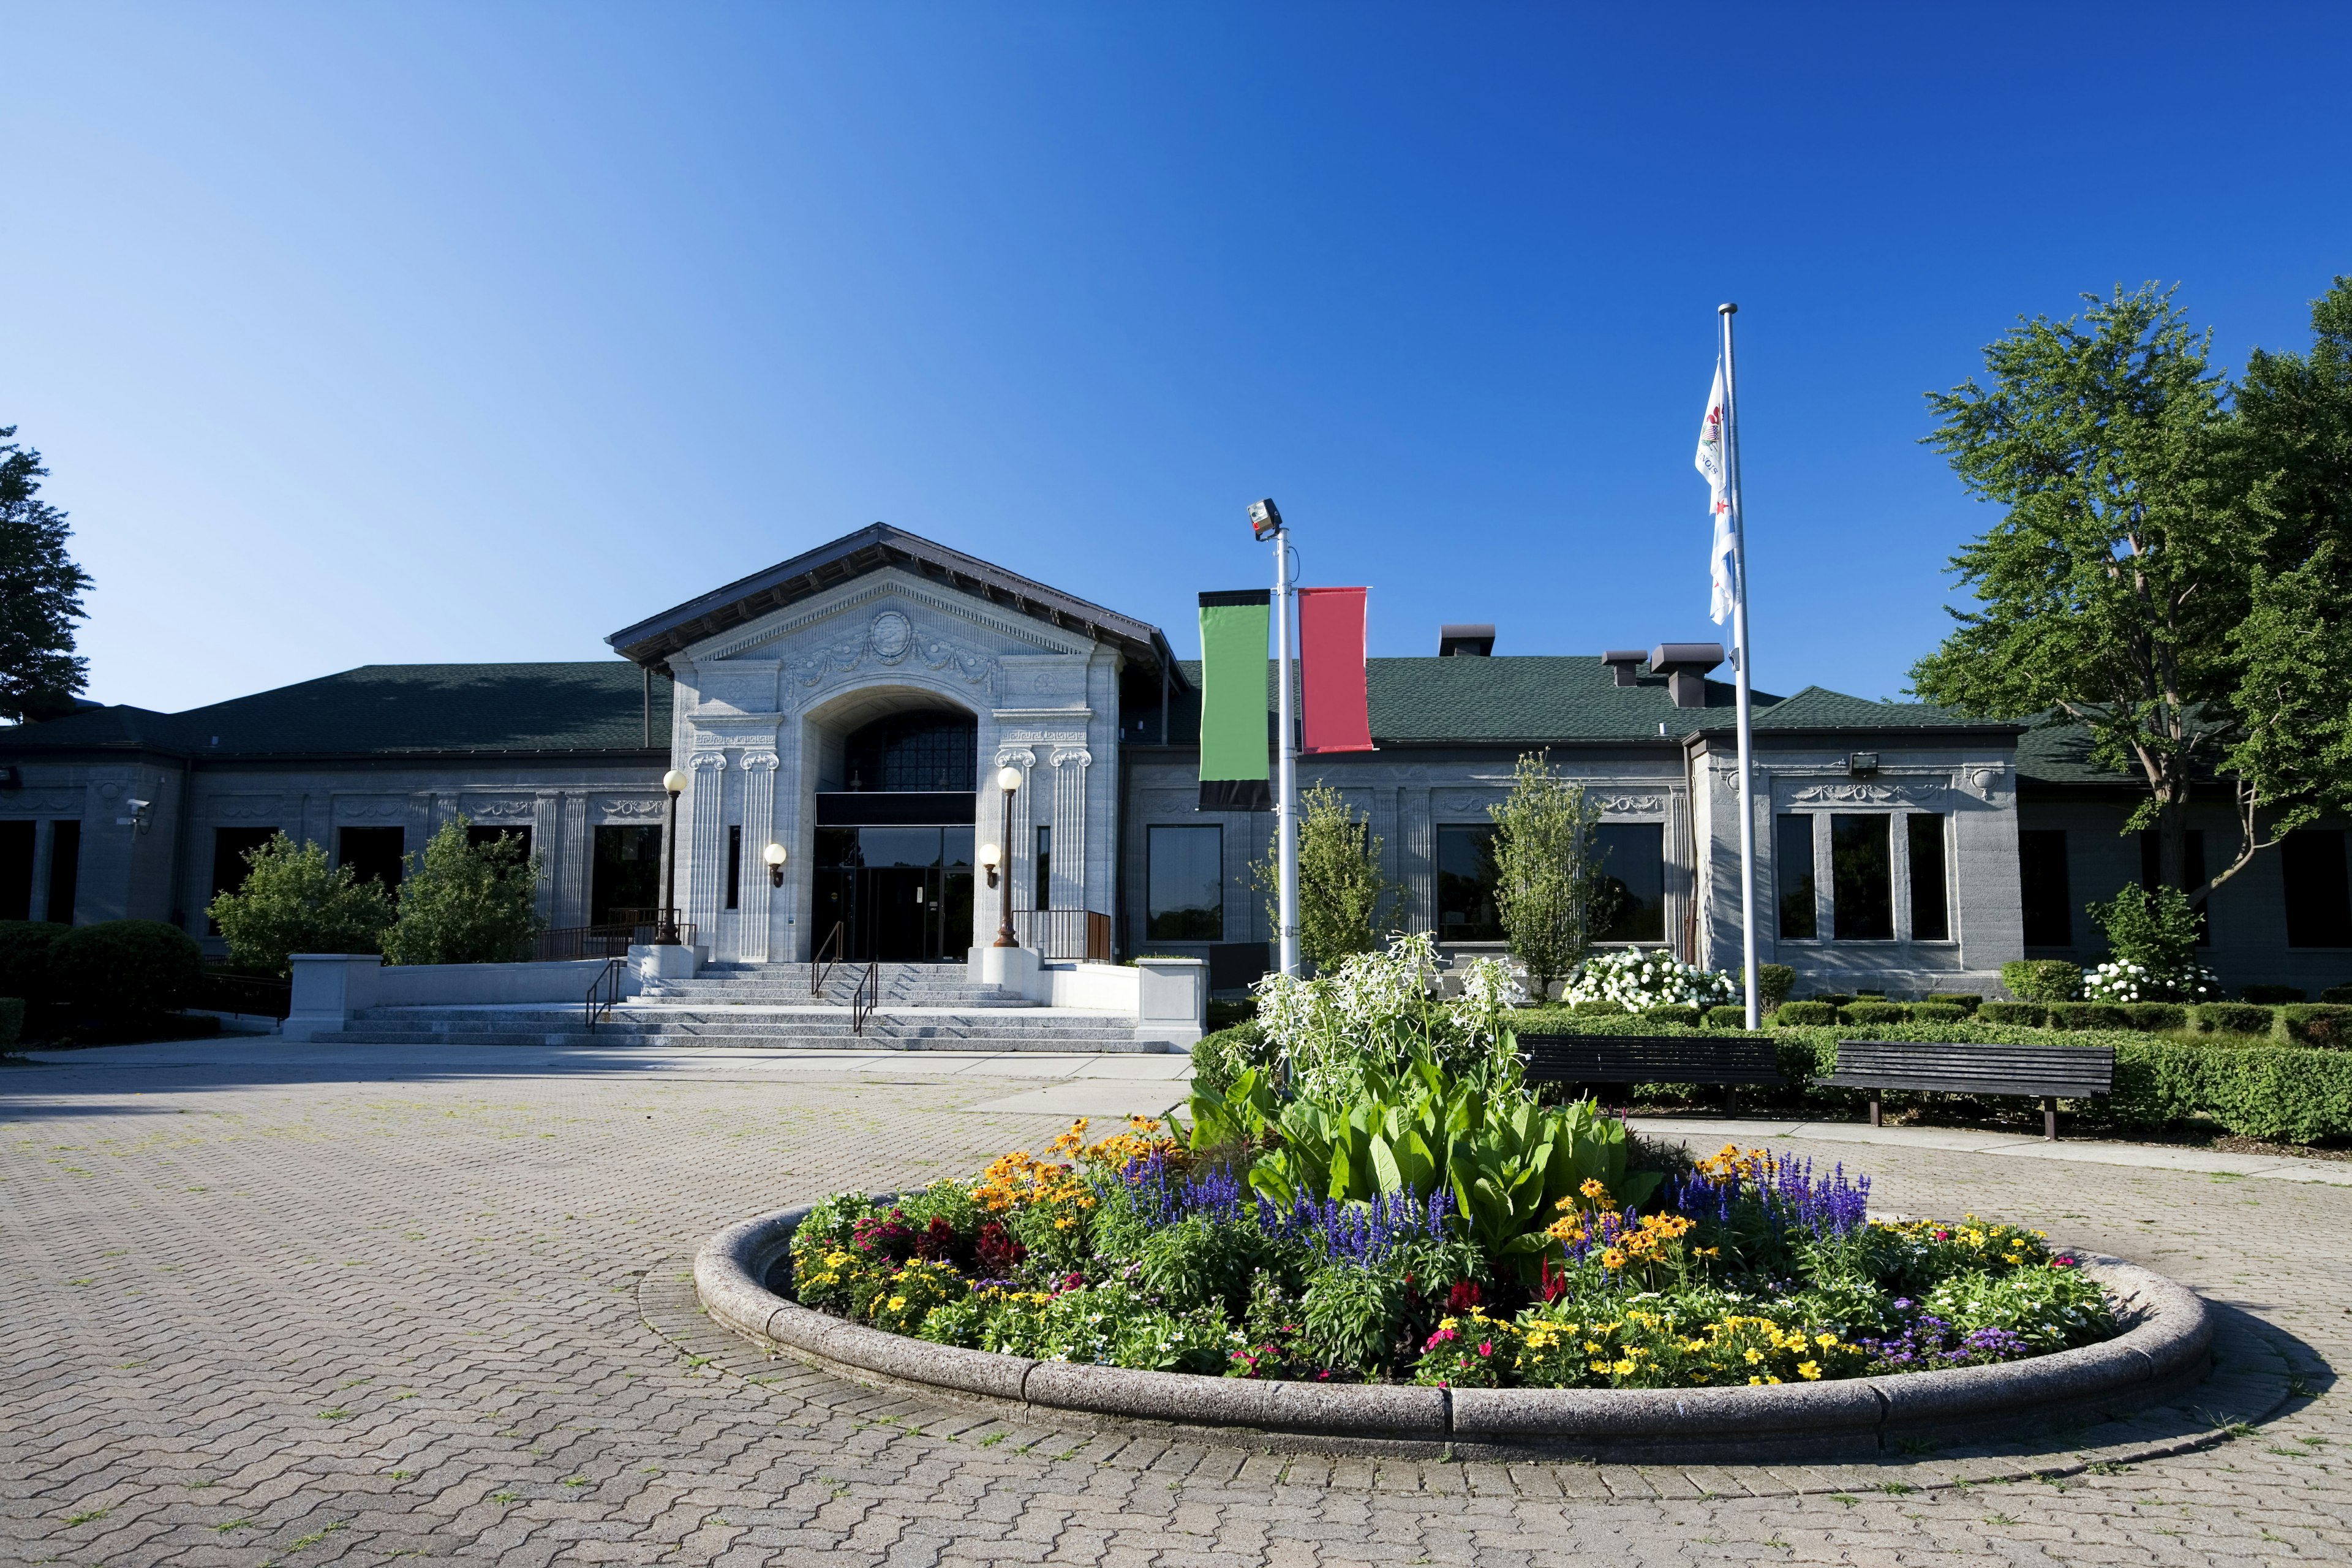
[1550, 886]
[292, 900]
[40, 594]
[2163, 572]
[1342, 892]
[462, 902]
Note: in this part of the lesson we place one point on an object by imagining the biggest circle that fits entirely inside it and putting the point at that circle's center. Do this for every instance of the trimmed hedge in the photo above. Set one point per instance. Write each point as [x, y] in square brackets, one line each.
[2015, 1015]
[1871, 1015]
[2316, 1024]
[1965, 1001]
[2042, 979]
[2157, 1017]
[1834, 998]
[24, 957]
[1686, 1016]
[2088, 1015]
[1791, 1015]
[2230, 1019]
[2339, 995]
[1937, 1013]
[2271, 996]
[1773, 984]
[11, 1022]
[1726, 1015]
[126, 969]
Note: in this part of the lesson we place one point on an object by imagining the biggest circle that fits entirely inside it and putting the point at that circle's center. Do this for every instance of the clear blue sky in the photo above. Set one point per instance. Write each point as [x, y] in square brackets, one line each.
[406, 333]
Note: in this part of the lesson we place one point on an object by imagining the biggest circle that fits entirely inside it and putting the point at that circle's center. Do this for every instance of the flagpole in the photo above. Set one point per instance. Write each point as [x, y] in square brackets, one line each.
[1739, 669]
[1285, 798]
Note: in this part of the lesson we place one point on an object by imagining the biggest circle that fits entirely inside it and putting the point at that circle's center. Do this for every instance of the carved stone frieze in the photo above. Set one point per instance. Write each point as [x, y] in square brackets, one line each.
[1864, 792]
[887, 587]
[246, 808]
[1630, 805]
[43, 802]
[631, 810]
[493, 809]
[371, 808]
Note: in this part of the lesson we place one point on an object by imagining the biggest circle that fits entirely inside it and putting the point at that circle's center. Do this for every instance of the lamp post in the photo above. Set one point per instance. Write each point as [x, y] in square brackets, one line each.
[666, 931]
[1008, 779]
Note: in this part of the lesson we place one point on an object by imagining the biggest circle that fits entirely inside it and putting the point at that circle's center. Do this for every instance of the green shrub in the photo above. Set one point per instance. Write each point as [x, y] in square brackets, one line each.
[1938, 1013]
[1228, 1014]
[1871, 1015]
[2230, 1019]
[2339, 995]
[2042, 979]
[2088, 1015]
[291, 901]
[1834, 998]
[11, 1022]
[1726, 1015]
[466, 903]
[1598, 1009]
[2289, 1094]
[2015, 1015]
[1219, 1057]
[126, 969]
[1773, 984]
[2155, 1017]
[2316, 1024]
[1965, 1001]
[2271, 996]
[1793, 1014]
[24, 957]
[1673, 1014]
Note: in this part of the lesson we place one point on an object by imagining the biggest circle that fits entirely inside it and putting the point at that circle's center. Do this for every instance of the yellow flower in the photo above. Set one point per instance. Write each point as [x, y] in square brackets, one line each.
[1754, 1356]
[1809, 1370]
[1623, 1368]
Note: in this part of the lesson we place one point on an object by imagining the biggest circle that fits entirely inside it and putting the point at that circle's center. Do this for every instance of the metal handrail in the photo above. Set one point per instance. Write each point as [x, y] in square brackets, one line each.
[860, 1008]
[608, 980]
[819, 976]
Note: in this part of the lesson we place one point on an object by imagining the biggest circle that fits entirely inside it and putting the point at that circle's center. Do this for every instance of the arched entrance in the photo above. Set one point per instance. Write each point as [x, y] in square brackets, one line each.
[894, 839]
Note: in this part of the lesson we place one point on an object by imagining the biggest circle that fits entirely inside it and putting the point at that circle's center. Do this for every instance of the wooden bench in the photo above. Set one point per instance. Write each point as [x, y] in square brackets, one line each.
[2047, 1073]
[1652, 1058]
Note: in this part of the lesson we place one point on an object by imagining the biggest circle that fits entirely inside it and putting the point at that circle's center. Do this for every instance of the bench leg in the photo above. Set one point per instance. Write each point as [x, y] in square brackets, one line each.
[2050, 1118]
[1731, 1099]
[1873, 1108]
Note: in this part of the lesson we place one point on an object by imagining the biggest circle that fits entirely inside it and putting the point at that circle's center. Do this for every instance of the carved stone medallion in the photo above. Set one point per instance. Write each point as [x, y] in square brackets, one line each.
[891, 636]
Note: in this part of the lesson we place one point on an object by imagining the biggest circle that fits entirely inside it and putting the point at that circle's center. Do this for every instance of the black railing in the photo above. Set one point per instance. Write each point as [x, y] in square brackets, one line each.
[255, 996]
[603, 991]
[820, 966]
[1064, 934]
[610, 940]
[865, 999]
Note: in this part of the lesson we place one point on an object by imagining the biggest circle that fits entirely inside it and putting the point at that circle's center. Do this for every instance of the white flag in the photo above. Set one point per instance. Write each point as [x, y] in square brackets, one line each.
[1711, 462]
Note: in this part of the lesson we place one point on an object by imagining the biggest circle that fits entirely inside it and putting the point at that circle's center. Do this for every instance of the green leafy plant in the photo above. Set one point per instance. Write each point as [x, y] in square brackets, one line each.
[466, 903]
[1808, 1012]
[2042, 979]
[1342, 891]
[125, 969]
[291, 901]
[1551, 888]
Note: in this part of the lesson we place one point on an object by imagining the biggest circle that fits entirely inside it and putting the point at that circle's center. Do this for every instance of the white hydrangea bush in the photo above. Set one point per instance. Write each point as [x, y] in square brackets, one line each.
[2120, 980]
[1639, 981]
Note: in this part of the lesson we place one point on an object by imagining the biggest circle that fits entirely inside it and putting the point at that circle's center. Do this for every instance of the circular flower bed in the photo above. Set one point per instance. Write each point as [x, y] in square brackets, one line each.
[1218, 1253]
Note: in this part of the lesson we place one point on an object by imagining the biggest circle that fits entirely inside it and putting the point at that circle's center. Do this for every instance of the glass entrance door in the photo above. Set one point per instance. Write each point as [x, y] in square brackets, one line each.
[902, 895]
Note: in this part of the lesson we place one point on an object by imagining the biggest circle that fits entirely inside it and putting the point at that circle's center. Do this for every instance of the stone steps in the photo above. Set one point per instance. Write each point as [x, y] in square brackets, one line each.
[608, 1037]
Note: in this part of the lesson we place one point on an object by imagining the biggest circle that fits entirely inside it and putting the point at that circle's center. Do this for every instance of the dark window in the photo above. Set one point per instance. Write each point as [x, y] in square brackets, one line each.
[478, 834]
[1861, 880]
[1044, 882]
[1184, 884]
[1465, 885]
[735, 868]
[16, 871]
[913, 752]
[372, 854]
[65, 870]
[230, 848]
[626, 885]
[1931, 904]
[2049, 907]
[2152, 873]
[1793, 860]
[1633, 860]
[2318, 902]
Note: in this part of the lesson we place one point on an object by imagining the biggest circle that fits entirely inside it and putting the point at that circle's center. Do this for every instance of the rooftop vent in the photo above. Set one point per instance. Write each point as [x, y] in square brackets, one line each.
[1685, 665]
[1465, 642]
[1624, 661]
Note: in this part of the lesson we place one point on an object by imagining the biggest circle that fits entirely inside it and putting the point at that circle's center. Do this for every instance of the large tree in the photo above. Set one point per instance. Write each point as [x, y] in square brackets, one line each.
[40, 593]
[2166, 568]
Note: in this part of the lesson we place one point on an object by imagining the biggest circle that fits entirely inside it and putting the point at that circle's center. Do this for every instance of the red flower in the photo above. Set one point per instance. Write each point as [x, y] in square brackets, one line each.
[1486, 1347]
[1463, 1297]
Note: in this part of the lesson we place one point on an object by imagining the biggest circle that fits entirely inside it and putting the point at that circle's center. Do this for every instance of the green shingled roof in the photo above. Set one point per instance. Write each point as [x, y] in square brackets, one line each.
[389, 709]
[1818, 707]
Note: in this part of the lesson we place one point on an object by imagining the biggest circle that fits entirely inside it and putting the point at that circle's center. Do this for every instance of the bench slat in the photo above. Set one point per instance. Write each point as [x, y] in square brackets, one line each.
[1649, 1059]
[1959, 1068]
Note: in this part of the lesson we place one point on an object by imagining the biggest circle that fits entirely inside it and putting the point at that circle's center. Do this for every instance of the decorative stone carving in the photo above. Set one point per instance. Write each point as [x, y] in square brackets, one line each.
[890, 637]
[890, 586]
[632, 810]
[1862, 793]
[44, 803]
[247, 808]
[493, 810]
[1630, 805]
[936, 653]
[371, 808]
[1980, 781]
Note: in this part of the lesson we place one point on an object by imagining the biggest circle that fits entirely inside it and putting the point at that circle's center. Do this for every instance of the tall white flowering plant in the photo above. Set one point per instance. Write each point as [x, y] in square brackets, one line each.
[1377, 1009]
[2154, 935]
[1639, 981]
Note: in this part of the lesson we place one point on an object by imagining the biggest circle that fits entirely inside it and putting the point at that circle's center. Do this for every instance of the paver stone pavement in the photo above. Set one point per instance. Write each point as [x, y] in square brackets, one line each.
[268, 1307]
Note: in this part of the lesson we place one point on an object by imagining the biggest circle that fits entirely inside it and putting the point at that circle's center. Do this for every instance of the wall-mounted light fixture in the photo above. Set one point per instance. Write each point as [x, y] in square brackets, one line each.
[991, 856]
[774, 855]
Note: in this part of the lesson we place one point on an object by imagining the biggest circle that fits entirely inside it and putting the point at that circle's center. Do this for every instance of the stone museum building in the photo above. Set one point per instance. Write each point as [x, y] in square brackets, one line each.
[857, 705]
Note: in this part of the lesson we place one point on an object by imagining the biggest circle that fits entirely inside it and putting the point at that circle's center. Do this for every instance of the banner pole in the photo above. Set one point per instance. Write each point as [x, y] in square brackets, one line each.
[1285, 797]
[1739, 671]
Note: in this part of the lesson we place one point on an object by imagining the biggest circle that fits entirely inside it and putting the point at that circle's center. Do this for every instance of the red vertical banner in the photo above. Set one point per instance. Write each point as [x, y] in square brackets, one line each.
[1336, 716]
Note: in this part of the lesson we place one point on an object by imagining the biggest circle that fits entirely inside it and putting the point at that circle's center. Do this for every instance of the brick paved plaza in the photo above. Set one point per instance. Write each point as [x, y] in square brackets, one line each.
[265, 1306]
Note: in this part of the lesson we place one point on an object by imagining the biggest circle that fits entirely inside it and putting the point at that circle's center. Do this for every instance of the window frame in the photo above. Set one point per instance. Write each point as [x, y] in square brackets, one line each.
[1216, 860]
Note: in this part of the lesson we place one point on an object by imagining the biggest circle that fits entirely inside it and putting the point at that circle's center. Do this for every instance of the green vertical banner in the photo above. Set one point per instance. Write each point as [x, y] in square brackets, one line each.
[1235, 738]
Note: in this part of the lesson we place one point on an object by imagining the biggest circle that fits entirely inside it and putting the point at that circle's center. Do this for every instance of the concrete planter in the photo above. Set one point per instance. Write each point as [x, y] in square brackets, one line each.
[2168, 1348]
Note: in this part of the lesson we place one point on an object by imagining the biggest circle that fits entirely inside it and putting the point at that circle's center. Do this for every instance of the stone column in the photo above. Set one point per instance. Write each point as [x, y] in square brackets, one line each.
[751, 934]
[1021, 854]
[547, 843]
[1069, 869]
[703, 842]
